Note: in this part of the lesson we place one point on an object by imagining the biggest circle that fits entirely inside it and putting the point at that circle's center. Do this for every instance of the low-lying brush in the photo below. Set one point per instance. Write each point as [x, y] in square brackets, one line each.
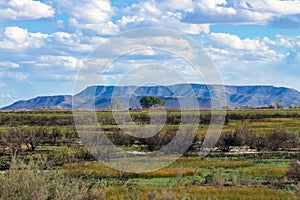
[31, 181]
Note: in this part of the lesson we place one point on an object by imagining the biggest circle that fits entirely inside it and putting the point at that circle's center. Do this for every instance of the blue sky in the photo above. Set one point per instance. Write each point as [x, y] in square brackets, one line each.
[43, 43]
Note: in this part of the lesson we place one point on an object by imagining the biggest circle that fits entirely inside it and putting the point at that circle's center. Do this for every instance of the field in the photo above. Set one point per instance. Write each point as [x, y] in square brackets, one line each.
[256, 157]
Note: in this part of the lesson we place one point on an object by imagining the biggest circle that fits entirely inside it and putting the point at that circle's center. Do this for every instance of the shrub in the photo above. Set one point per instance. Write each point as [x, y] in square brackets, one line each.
[294, 170]
[226, 141]
[29, 181]
[14, 139]
[244, 136]
[217, 178]
[277, 139]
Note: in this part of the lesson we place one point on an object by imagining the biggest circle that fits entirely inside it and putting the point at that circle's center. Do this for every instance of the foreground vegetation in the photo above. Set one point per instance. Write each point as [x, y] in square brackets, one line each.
[256, 157]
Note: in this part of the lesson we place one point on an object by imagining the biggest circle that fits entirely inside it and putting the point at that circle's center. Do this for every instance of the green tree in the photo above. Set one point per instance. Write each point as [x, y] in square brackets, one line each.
[152, 101]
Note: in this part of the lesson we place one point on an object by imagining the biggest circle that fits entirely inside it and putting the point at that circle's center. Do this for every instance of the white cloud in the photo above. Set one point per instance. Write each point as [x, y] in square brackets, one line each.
[228, 48]
[69, 62]
[186, 5]
[19, 10]
[107, 28]
[71, 42]
[288, 42]
[234, 42]
[90, 11]
[92, 15]
[277, 7]
[58, 43]
[240, 12]
[8, 64]
[17, 38]
[159, 14]
[194, 17]
[215, 6]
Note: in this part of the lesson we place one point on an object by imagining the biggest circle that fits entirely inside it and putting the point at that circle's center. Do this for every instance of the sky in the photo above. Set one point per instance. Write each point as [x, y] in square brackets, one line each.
[43, 44]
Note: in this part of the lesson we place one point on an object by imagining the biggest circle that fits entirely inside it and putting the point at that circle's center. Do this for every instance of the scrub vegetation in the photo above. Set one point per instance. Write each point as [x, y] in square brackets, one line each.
[256, 157]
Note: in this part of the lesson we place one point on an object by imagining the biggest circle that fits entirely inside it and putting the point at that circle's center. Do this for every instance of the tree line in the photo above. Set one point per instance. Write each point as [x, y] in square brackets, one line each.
[19, 139]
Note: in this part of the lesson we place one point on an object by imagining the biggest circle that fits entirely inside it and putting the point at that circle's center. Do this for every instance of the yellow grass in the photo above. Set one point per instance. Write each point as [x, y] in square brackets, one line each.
[186, 166]
[196, 192]
[271, 171]
[197, 162]
[100, 170]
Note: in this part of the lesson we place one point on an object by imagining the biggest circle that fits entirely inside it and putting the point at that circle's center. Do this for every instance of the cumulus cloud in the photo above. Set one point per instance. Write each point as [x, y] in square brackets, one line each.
[234, 42]
[93, 15]
[16, 38]
[240, 12]
[75, 42]
[90, 11]
[227, 48]
[191, 17]
[288, 41]
[246, 61]
[19, 10]
[167, 14]
[69, 62]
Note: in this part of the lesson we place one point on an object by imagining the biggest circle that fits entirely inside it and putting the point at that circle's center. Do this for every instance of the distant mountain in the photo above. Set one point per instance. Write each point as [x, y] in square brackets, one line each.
[175, 95]
[61, 101]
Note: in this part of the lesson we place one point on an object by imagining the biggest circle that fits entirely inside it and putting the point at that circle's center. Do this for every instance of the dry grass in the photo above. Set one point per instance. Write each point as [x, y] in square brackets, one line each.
[194, 192]
[100, 170]
[198, 163]
[185, 165]
[266, 171]
[91, 168]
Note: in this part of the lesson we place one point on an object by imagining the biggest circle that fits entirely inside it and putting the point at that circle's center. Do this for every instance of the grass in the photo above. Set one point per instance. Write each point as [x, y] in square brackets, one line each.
[206, 163]
[73, 176]
[184, 165]
[102, 171]
[266, 171]
[195, 192]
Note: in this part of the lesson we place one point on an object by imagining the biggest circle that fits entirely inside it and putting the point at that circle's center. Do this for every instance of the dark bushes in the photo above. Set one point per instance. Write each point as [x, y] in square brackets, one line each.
[278, 139]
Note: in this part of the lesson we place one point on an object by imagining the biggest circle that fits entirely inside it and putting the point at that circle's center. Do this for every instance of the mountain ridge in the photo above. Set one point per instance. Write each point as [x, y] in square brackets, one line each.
[236, 96]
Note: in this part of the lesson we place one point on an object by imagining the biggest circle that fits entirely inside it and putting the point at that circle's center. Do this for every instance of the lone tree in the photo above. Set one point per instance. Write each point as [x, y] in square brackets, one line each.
[152, 101]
